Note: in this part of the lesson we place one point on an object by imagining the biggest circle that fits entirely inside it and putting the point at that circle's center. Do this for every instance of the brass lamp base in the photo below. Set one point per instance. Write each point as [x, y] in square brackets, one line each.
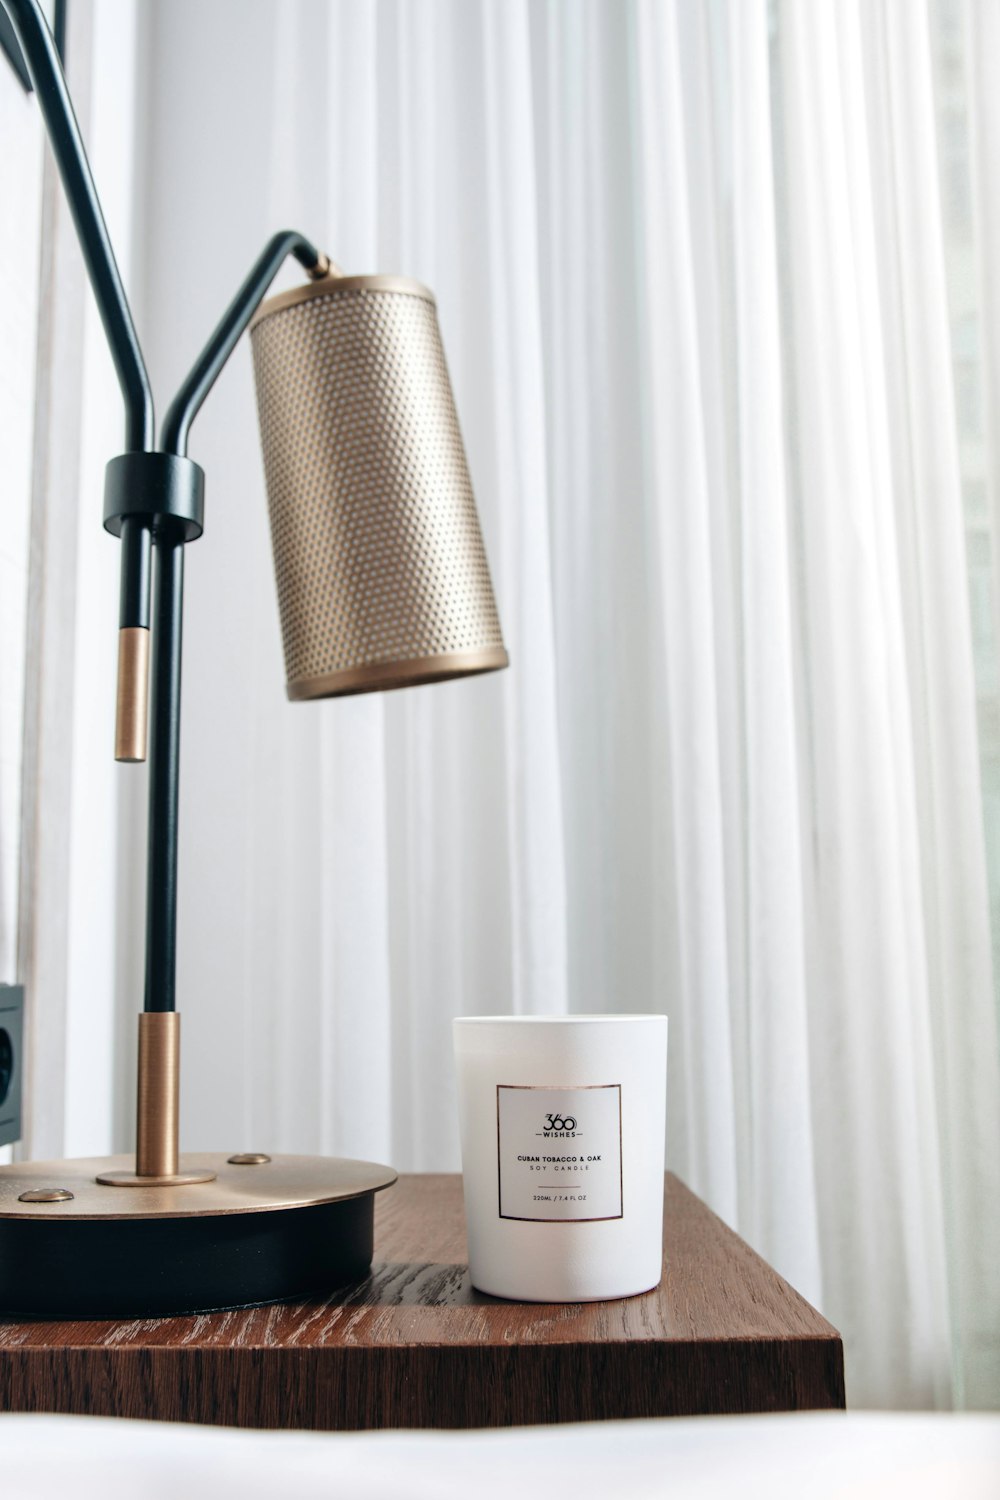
[264, 1229]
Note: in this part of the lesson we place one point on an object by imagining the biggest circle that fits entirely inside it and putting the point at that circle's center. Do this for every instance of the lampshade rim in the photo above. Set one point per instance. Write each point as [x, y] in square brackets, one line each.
[335, 286]
[384, 676]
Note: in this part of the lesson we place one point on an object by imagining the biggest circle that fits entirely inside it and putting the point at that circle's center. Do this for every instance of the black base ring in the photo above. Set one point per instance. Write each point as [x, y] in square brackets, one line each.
[136, 1268]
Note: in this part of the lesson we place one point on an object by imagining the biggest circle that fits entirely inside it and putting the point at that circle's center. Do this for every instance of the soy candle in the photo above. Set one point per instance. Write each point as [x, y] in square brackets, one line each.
[562, 1122]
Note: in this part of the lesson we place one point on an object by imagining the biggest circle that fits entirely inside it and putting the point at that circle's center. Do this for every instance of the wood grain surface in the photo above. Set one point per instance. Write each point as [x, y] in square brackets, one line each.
[414, 1345]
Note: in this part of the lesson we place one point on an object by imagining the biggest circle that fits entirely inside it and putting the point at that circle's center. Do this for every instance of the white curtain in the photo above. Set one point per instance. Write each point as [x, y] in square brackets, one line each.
[690, 263]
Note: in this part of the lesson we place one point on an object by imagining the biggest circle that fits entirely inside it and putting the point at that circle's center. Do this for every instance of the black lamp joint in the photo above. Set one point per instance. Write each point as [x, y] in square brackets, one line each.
[161, 491]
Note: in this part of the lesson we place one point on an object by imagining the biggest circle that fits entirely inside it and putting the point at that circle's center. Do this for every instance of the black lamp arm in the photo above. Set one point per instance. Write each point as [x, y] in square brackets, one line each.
[187, 403]
[46, 72]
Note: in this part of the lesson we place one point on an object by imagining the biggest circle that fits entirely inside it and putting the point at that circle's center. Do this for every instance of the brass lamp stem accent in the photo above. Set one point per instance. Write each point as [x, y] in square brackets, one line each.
[157, 1108]
[158, 1099]
[133, 693]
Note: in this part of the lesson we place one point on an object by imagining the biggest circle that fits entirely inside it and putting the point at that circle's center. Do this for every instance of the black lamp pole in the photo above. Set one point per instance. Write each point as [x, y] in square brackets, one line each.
[42, 59]
[161, 495]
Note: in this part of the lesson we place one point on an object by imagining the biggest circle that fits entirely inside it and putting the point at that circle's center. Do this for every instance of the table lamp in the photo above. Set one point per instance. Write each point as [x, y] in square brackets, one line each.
[382, 582]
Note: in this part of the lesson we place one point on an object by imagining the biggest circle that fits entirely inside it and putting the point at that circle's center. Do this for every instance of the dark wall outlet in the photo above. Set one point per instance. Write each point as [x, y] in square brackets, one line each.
[11, 1061]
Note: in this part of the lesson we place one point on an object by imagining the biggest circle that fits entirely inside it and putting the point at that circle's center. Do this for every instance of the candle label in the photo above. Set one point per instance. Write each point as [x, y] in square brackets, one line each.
[559, 1152]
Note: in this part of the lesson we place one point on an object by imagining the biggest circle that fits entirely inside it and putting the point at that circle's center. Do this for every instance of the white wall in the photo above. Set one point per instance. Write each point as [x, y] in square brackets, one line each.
[103, 984]
[20, 223]
[59, 424]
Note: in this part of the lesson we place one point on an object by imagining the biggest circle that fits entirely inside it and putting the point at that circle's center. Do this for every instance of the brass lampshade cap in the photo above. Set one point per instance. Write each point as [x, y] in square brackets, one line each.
[382, 575]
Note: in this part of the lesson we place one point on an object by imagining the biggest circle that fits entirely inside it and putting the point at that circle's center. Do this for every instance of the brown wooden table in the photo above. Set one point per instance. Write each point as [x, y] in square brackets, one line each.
[415, 1346]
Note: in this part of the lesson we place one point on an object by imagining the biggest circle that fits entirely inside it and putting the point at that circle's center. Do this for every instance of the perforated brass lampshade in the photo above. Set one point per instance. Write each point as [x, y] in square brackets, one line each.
[381, 571]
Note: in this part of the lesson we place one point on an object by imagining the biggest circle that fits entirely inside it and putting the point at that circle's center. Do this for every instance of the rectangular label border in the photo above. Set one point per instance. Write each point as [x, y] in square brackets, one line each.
[553, 1088]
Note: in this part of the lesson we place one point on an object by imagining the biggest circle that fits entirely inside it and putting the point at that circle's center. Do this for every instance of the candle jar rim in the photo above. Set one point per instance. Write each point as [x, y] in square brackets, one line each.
[559, 1020]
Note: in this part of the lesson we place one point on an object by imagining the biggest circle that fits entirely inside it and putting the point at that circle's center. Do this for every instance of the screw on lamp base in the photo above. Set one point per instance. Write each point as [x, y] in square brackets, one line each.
[156, 1161]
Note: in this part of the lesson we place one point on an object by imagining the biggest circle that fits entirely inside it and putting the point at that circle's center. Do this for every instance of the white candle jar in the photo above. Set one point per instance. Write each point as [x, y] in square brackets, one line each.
[562, 1121]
